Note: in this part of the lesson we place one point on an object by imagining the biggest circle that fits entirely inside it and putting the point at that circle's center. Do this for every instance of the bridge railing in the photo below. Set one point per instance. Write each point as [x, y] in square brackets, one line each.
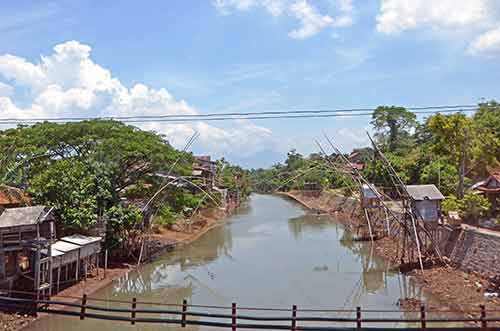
[239, 317]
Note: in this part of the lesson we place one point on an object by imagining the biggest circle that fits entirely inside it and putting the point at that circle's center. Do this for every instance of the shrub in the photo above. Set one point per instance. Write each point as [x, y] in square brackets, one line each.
[451, 203]
[474, 206]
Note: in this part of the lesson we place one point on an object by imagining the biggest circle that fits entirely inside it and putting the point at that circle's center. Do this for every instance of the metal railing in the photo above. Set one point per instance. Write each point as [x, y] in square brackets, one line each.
[188, 314]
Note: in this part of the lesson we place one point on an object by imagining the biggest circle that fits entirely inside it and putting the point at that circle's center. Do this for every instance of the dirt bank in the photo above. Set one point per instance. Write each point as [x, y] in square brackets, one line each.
[456, 289]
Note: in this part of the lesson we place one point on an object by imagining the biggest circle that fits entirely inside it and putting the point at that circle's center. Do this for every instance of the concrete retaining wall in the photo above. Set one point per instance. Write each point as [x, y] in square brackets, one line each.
[471, 250]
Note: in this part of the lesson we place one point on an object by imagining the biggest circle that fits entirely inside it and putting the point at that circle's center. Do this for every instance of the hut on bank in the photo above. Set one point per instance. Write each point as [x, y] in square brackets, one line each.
[312, 189]
[490, 188]
[425, 202]
[32, 259]
[24, 233]
[370, 197]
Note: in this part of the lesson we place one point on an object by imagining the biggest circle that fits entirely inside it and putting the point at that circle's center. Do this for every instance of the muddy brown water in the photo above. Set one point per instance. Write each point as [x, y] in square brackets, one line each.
[271, 253]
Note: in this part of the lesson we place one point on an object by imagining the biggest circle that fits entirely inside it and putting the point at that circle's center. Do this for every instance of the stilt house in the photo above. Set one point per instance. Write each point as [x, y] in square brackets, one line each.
[24, 233]
[425, 202]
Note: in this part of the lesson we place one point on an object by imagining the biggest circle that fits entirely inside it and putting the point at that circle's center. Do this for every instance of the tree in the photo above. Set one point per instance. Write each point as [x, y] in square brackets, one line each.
[452, 138]
[84, 169]
[80, 192]
[486, 124]
[442, 174]
[393, 125]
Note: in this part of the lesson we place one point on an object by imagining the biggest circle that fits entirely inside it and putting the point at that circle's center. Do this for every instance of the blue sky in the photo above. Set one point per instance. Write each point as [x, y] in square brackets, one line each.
[104, 58]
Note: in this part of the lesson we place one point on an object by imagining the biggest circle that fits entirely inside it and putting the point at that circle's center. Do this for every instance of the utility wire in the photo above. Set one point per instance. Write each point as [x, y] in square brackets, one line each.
[223, 117]
[274, 112]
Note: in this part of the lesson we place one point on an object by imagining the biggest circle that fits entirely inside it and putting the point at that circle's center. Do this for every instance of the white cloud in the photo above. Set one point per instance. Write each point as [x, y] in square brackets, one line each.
[310, 19]
[274, 7]
[399, 15]
[345, 5]
[68, 83]
[5, 90]
[486, 43]
[478, 20]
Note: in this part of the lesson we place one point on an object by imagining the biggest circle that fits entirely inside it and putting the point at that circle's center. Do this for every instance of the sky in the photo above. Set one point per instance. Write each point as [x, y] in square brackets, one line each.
[119, 58]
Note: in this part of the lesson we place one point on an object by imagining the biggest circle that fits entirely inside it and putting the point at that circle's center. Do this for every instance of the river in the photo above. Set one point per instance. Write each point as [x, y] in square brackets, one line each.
[271, 253]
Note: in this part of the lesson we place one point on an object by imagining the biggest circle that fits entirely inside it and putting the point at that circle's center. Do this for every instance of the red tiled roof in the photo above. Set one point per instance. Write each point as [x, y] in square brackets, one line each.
[13, 196]
[488, 190]
[353, 154]
[495, 174]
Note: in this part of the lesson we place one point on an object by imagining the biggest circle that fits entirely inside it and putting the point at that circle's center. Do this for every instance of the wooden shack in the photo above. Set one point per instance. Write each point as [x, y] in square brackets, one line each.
[370, 198]
[425, 202]
[205, 169]
[24, 233]
[312, 189]
[73, 258]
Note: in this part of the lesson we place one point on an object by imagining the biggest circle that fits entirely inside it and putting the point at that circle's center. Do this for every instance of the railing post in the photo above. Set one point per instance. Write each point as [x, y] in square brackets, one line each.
[294, 316]
[134, 305]
[484, 323]
[184, 309]
[358, 318]
[422, 317]
[233, 313]
[84, 303]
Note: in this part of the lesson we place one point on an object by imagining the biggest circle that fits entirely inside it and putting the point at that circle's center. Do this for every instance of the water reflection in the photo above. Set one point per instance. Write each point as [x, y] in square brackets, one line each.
[271, 253]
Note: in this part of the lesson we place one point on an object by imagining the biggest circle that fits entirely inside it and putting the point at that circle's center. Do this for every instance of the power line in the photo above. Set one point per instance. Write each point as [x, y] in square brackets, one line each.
[271, 112]
[285, 114]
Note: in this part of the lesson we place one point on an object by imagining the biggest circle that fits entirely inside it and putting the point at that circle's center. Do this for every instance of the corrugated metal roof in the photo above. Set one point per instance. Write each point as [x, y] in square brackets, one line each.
[64, 247]
[424, 192]
[22, 216]
[81, 240]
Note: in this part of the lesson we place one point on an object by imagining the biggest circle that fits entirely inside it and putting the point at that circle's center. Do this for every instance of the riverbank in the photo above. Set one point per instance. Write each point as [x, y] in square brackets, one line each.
[458, 290]
[182, 233]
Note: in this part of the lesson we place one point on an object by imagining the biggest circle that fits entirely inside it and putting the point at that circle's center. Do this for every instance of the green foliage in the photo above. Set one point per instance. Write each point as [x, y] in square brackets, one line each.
[474, 206]
[165, 217]
[296, 171]
[486, 123]
[124, 227]
[233, 177]
[442, 174]
[84, 169]
[451, 203]
[393, 126]
[79, 191]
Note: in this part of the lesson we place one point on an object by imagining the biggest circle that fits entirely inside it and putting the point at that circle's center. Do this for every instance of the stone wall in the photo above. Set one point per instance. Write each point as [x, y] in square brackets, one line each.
[472, 250]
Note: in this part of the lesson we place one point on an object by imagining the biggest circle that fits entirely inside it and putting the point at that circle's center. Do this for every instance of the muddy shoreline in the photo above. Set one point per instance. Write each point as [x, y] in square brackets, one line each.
[457, 290]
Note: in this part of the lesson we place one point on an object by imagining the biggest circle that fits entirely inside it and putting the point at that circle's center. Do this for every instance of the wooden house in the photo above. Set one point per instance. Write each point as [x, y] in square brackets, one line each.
[425, 202]
[370, 198]
[205, 169]
[490, 188]
[24, 233]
